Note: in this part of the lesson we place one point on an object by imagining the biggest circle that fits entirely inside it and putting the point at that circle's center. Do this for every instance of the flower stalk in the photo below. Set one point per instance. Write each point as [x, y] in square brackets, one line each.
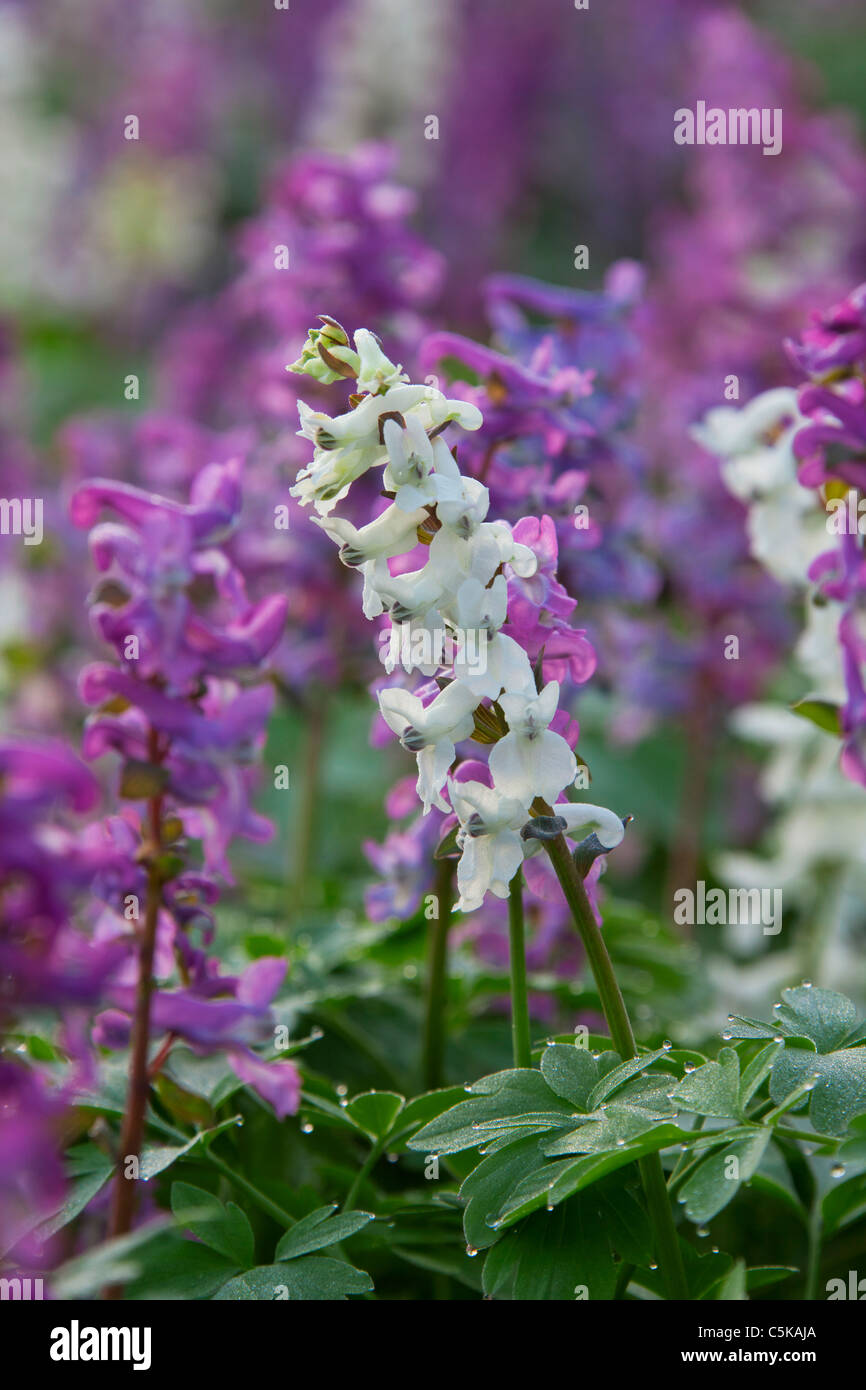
[140, 1076]
[622, 1036]
[521, 1039]
[433, 1040]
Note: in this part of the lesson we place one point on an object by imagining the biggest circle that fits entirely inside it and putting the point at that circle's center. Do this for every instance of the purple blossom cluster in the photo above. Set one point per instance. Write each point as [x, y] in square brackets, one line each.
[184, 707]
[831, 449]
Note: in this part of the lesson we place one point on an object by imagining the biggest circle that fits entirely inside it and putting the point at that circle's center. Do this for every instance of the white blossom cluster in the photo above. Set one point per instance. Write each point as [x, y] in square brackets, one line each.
[462, 588]
[818, 836]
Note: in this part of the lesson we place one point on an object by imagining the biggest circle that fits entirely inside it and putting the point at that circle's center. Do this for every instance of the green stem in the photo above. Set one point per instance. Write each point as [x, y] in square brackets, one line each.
[433, 1043]
[813, 1266]
[521, 1041]
[276, 1213]
[363, 1173]
[600, 962]
[622, 1036]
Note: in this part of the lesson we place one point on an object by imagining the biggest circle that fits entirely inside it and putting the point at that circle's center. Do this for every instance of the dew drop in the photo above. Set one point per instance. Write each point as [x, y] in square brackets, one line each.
[838, 1170]
[392, 1158]
[342, 1089]
[715, 1250]
[653, 1265]
[620, 1143]
[689, 1066]
[471, 1251]
[807, 984]
[726, 1037]
[307, 1128]
[667, 1045]
[778, 1038]
[702, 1232]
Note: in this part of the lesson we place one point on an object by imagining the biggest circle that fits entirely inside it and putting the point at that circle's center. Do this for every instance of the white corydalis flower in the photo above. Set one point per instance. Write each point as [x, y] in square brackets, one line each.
[489, 839]
[531, 760]
[582, 819]
[392, 533]
[375, 370]
[430, 732]
[755, 448]
[420, 471]
[347, 445]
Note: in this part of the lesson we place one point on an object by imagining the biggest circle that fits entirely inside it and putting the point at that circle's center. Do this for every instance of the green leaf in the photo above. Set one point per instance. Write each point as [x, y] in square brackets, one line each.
[757, 1071]
[839, 1093]
[616, 1126]
[375, 1111]
[845, 1202]
[113, 1262]
[313, 1278]
[558, 1181]
[732, 1288]
[762, 1276]
[703, 1272]
[709, 1188]
[750, 1028]
[488, 1186]
[223, 1228]
[821, 712]
[553, 1256]
[425, 1108]
[318, 1230]
[175, 1268]
[155, 1158]
[570, 1072]
[617, 1076]
[507, 1094]
[819, 1014]
[94, 1168]
[714, 1088]
[184, 1106]
[627, 1224]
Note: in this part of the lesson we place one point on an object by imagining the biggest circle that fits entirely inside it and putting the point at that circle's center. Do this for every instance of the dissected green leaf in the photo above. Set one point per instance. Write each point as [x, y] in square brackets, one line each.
[488, 1186]
[570, 1072]
[311, 1278]
[554, 1256]
[375, 1111]
[223, 1228]
[714, 1088]
[717, 1178]
[175, 1268]
[618, 1075]
[507, 1094]
[757, 1072]
[839, 1092]
[318, 1230]
[819, 1014]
